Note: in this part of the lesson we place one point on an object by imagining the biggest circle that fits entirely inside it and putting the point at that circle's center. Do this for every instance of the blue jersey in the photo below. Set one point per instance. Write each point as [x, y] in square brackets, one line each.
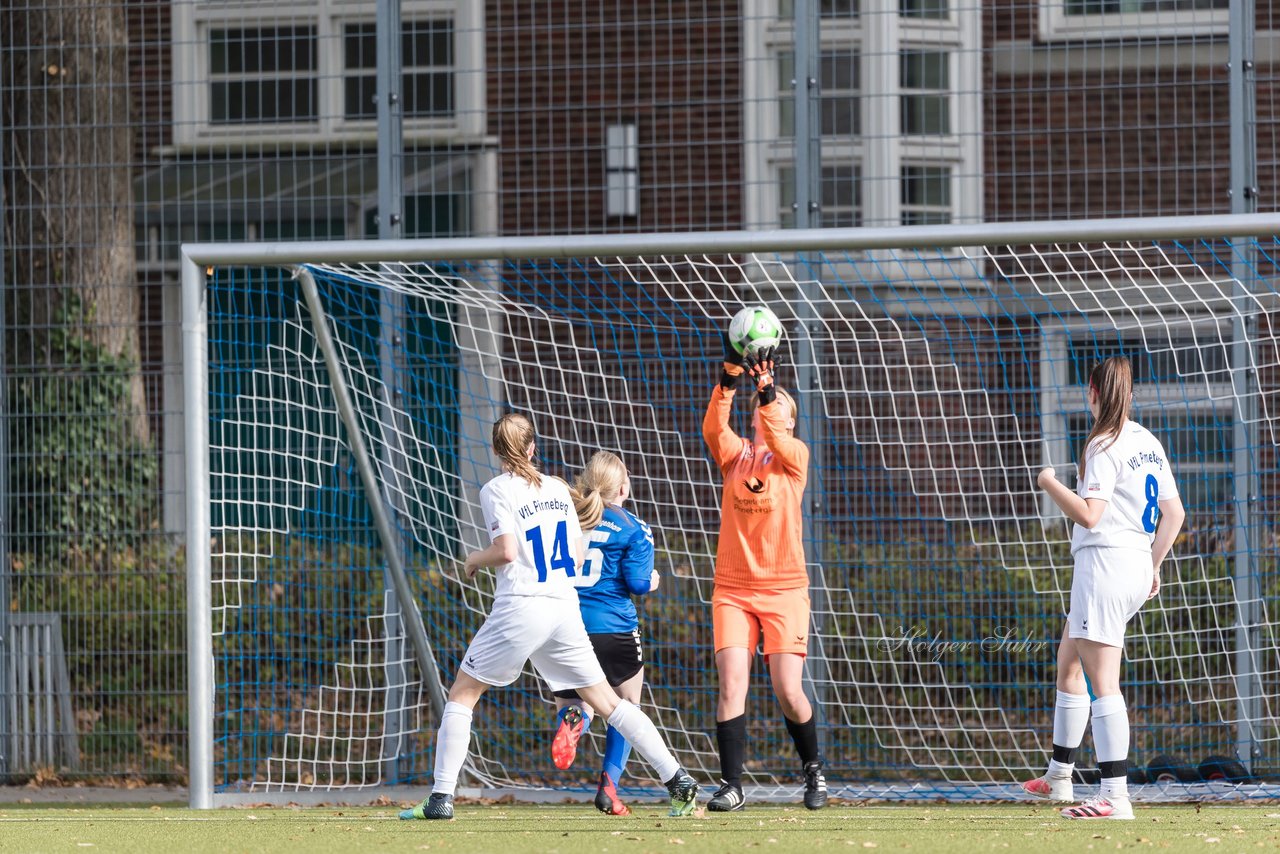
[618, 566]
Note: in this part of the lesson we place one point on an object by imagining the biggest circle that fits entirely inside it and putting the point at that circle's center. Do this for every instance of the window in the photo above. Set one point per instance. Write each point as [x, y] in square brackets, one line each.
[443, 214]
[839, 105]
[1126, 19]
[839, 79]
[1114, 7]
[257, 72]
[912, 156]
[841, 196]
[786, 104]
[426, 55]
[926, 195]
[826, 8]
[926, 92]
[935, 9]
[1199, 441]
[263, 75]
[1182, 394]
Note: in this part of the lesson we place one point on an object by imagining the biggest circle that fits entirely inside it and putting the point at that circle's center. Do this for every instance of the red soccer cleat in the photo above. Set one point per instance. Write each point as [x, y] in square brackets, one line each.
[564, 747]
[607, 798]
[1050, 788]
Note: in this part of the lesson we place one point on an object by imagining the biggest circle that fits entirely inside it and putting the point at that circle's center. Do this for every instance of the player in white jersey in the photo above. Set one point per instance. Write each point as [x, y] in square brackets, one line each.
[536, 548]
[1127, 514]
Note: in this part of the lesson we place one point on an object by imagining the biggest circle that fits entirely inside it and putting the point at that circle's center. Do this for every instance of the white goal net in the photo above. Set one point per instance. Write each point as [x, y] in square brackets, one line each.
[933, 384]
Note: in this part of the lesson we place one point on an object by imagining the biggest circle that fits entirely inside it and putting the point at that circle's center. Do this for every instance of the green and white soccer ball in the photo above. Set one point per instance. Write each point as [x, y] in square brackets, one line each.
[753, 329]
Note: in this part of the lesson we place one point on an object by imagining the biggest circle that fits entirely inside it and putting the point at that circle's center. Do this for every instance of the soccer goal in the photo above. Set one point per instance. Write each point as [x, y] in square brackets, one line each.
[338, 401]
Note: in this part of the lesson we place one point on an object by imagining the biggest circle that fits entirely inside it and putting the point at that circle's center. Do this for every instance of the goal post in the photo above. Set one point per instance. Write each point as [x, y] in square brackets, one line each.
[944, 366]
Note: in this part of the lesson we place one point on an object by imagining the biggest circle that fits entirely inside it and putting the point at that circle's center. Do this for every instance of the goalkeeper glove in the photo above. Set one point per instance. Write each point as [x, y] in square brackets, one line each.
[760, 367]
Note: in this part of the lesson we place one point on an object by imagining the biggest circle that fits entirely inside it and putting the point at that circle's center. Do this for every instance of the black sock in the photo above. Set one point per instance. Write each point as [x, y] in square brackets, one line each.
[731, 737]
[805, 736]
[1118, 768]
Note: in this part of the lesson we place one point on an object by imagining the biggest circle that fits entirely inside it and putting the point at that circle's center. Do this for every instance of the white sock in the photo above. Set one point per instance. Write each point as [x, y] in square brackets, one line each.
[1060, 770]
[452, 742]
[640, 732]
[1070, 717]
[1111, 741]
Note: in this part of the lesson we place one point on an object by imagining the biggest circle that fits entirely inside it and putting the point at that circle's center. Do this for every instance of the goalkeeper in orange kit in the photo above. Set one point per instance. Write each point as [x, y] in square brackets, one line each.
[761, 585]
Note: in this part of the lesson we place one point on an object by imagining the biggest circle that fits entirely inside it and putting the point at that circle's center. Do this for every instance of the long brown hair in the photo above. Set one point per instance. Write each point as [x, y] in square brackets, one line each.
[1113, 380]
[599, 484]
[512, 436]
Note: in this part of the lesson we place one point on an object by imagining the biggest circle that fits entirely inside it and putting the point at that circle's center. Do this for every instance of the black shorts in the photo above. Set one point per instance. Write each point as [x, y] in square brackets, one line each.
[620, 656]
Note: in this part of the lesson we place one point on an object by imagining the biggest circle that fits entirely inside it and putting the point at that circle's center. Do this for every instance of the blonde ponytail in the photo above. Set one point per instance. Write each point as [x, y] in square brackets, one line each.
[512, 437]
[589, 506]
[599, 484]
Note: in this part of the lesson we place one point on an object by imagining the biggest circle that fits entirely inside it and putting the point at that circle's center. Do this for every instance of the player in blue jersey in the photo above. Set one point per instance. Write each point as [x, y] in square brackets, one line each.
[618, 565]
[536, 545]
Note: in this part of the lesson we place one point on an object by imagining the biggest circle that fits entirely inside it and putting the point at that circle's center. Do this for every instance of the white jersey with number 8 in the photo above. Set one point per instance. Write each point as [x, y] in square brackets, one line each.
[1132, 475]
[543, 521]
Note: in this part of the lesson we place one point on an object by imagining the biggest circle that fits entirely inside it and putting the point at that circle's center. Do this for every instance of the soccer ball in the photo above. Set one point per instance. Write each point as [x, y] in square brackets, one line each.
[753, 329]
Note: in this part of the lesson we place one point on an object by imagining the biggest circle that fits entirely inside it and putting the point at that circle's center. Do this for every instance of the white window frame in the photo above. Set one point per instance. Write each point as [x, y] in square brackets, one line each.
[338, 107]
[952, 62]
[857, 167]
[827, 163]
[859, 95]
[1056, 25]
[880, 148]
[192, 21]
[926, 163]
[262, 76]
[1061, 398]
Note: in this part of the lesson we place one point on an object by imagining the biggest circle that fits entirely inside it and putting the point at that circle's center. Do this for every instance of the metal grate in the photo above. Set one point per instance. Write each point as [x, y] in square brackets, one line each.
[43, 728]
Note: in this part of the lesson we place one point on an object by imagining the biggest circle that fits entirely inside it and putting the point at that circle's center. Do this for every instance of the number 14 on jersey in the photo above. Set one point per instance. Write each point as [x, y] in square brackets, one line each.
[561, 554]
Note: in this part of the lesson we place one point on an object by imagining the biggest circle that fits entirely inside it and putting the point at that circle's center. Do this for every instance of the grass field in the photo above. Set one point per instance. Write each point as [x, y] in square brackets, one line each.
[572, 829]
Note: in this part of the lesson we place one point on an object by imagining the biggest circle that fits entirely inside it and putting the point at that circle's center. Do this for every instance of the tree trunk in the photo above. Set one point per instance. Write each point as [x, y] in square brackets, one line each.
[68, 149]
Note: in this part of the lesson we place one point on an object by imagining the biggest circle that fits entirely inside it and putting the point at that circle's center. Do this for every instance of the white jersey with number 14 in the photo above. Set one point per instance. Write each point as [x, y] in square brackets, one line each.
[1132, 475]
[543, 521]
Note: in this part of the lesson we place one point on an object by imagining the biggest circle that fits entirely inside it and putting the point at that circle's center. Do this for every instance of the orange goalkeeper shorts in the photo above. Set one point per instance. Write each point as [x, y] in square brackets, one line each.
[739, 616]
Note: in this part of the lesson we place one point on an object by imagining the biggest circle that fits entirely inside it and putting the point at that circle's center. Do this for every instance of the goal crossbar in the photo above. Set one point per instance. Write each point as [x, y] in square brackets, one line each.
[777, 240]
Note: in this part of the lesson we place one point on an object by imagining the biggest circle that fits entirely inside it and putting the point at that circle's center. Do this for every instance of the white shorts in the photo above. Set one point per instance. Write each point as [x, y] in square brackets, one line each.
[1108, 588]
[543, 631]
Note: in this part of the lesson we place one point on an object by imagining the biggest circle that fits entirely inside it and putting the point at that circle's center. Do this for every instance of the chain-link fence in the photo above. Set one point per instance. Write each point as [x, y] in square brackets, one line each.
[132, 127]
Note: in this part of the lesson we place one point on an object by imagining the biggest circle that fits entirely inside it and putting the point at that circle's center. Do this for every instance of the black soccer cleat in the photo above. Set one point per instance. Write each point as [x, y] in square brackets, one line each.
[607, 797]
[815, 786]
[728, 798]
[684, 792]
[438, 806]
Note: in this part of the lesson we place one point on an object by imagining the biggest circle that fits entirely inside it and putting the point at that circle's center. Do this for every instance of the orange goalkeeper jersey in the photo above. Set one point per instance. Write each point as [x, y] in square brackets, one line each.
[761, 541]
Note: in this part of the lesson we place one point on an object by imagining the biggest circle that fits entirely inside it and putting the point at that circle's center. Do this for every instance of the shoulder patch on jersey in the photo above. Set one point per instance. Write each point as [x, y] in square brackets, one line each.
[636, 524]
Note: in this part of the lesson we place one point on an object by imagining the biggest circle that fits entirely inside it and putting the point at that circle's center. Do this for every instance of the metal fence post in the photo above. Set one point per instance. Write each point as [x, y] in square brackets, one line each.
[390, 220]
[4, 481]
[808, 214]
[1244, 199]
